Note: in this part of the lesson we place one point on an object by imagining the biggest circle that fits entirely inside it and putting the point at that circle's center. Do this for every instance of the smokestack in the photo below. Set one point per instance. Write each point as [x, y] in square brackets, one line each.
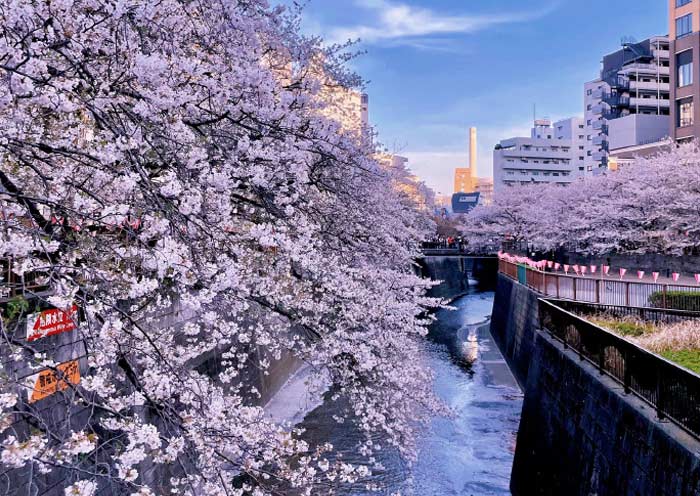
[472, 151]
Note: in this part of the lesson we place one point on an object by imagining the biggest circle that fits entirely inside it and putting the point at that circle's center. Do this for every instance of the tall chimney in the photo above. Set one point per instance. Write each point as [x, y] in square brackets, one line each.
[472, 152]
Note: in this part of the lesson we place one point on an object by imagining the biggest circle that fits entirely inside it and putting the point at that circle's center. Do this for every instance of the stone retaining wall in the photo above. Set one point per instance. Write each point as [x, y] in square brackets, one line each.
[580, 434]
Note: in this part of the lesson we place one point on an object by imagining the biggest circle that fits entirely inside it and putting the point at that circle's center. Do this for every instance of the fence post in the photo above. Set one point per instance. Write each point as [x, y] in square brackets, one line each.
[574, 284]
[665, 293]
[627, 294]
[544, 283]
[627, 381]
[659, 394]
[557, 279]
[597, 291]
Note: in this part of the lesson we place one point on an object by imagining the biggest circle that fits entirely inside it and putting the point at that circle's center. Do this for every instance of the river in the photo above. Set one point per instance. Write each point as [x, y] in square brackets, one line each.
[470, 453]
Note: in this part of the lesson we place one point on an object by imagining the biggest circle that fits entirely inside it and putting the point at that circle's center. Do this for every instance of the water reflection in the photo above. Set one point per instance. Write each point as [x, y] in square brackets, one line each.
[468, 454]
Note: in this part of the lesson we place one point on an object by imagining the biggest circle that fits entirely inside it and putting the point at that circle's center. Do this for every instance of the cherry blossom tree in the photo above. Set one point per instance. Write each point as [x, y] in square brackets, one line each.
[179, 156]
[650, 206]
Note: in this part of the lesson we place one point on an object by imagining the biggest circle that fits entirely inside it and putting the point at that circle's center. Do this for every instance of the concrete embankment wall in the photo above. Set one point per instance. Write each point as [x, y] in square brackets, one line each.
[579, 433]
[450, 270]
[454, 272]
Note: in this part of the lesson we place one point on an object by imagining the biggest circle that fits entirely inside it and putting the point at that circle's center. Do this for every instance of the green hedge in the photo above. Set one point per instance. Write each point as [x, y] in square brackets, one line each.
[677, 300]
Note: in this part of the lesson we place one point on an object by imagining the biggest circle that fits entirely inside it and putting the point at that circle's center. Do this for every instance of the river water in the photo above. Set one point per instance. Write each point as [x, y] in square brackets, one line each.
[470, 453]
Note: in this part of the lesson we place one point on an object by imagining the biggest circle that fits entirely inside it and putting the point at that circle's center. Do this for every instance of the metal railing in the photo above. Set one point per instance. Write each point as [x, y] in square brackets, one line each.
[674, 392]
[605, 290]
[643, 314]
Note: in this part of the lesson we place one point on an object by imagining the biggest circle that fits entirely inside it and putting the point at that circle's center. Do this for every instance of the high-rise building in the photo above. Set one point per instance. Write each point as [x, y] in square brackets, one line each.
[629, 103]
[685, 50]
[552, 154]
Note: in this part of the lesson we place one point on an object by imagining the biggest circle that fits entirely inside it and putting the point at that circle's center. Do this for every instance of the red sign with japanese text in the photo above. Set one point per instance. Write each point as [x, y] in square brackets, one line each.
[51, 322]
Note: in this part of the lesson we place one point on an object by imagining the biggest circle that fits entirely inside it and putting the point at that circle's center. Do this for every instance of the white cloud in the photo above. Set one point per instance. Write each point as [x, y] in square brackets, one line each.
[397, 21]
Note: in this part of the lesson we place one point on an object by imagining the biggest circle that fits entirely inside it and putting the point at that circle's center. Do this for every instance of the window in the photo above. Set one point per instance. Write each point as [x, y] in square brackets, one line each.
[588, 122]
[685, 112]
[589, 107]
[580, 148]
[684, 60]
[580, 158]
[684, 26]
[681, 3]
[589, 92]
[580, 126]
[581, 136]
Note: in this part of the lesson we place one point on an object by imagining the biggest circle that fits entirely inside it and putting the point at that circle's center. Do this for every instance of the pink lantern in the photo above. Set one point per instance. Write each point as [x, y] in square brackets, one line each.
[622, 273]
[550, 264]
[697, 278]
[594, 268]
[576, 269]
[584, 269]
[676, 276]
[557, 266]
[606, 269]
[655, 275]
[640, 274]
[566, 269]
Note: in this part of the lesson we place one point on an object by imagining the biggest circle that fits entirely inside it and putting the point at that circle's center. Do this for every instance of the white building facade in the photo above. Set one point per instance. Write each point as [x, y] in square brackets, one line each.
[629, 104]
[552, 154]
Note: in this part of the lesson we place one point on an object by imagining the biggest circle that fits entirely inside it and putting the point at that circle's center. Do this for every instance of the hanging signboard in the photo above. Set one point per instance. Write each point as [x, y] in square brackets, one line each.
[48, 382]
[51, 322]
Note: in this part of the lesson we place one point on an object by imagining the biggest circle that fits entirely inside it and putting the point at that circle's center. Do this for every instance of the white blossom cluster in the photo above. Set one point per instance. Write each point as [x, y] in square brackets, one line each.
[177, 154]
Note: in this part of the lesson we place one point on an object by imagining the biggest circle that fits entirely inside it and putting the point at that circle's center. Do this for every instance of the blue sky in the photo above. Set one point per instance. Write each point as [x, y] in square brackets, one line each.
[437, 67]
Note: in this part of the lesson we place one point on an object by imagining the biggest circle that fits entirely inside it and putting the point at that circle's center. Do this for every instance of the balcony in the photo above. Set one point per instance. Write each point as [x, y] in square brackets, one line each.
[651, 69]
[650, 86]
[618, 82]
[600, 125]
[616, 100]
[650, 103]
[600, 156]
[599, 140]
[598, 94]
[598, 109]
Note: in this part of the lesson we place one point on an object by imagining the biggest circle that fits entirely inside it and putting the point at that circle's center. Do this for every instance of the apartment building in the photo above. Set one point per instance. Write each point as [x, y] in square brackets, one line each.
[552, 154]
[629, 104]
[684, 32]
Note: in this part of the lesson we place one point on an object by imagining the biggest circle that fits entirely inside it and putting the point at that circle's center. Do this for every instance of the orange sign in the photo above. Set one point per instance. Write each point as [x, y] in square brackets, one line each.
[48, 382]
[51, 322]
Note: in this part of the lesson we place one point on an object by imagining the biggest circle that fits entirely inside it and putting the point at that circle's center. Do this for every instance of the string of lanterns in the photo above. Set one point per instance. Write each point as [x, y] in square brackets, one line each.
[578, 269]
